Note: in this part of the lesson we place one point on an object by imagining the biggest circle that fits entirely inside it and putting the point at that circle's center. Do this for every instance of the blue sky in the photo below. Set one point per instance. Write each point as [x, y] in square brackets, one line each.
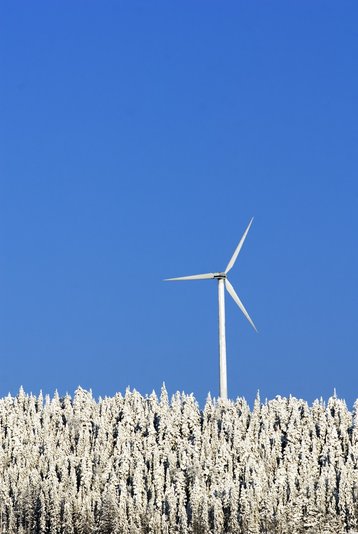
[137, 139]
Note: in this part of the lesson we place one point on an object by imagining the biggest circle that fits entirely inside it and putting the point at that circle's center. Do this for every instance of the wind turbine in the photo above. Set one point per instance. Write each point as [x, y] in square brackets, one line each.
[223, 282]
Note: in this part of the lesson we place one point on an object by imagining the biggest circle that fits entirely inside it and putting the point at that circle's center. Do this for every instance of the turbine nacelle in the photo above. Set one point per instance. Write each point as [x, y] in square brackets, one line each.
[220, 276]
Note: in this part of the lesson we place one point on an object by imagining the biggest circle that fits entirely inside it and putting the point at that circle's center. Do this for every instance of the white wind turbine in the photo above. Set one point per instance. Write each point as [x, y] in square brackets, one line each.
[223, 281]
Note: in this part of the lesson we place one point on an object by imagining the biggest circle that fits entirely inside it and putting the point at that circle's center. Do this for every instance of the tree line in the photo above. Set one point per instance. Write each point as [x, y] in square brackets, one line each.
[133, 465]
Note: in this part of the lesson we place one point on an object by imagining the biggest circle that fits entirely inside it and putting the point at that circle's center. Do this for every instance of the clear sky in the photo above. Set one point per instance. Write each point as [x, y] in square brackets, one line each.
[137, 139]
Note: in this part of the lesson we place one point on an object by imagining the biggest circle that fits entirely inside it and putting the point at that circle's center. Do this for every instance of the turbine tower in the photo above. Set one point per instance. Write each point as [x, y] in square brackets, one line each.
[223, 282]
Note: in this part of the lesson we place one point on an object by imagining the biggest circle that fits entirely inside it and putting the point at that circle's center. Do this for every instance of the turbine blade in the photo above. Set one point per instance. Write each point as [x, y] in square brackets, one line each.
[234, 295]
[206, 276]
[238, 248]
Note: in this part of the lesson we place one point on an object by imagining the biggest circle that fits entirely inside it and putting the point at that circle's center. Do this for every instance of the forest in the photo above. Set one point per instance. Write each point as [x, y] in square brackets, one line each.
[130, 464]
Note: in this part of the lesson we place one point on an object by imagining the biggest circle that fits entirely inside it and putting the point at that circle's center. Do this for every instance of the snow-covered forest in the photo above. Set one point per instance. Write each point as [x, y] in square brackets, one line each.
[135, 465]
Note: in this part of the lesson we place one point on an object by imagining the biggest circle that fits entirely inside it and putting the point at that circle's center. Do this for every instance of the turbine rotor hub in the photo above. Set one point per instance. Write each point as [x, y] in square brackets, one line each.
[220, 276]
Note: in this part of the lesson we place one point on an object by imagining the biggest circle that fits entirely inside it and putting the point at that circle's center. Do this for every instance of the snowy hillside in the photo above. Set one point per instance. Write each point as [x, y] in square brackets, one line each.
[130, 464]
